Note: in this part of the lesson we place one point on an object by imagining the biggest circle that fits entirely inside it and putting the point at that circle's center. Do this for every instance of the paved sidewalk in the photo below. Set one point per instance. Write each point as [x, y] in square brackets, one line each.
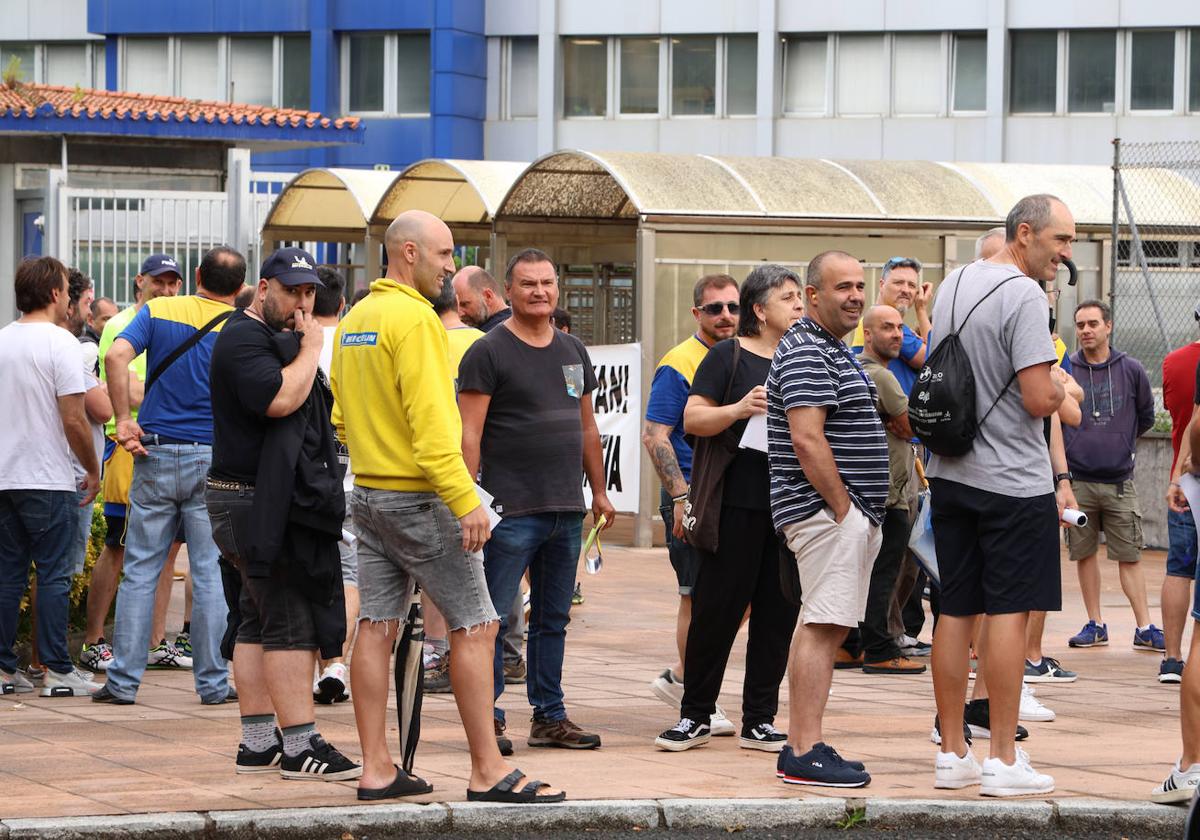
[1115, 737]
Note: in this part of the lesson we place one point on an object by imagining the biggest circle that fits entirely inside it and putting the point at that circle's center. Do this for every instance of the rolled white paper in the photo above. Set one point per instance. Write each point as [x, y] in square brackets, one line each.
[1071, 516]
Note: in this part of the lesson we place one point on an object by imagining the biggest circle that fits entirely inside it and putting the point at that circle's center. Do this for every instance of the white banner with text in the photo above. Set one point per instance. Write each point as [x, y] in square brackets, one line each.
[617, 404]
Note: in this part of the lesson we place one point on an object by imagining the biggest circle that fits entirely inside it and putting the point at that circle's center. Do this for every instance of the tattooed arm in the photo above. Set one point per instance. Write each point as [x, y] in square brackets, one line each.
[656, 437]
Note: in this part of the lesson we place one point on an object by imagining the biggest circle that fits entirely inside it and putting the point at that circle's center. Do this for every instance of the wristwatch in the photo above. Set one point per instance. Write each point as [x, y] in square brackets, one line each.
[1066, 476]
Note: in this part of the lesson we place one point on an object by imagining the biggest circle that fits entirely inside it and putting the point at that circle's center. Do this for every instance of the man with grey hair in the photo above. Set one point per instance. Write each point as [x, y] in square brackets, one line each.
[989, 243]
[481, 300]
[995, 512]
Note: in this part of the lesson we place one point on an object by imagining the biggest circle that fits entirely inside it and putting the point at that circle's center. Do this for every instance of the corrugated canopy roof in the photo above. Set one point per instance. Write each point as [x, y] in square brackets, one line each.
[456, 191]
[329, 201]
[624, 185]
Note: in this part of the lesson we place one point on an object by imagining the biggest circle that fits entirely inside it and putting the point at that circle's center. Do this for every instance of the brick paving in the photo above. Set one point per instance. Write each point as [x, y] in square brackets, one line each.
[1115, 736]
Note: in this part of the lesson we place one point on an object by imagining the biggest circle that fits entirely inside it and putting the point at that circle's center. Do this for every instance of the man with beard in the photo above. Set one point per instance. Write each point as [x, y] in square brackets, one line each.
[481, 300]
[900, 287]
[715, 308]
[275, 500]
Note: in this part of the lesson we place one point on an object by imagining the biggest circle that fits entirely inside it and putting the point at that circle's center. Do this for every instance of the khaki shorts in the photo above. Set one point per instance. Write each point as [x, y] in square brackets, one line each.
[1113, 509]
[835, 565]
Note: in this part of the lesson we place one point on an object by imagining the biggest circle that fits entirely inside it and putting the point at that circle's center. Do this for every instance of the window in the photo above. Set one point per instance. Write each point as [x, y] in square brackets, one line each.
[99, 65]
[1034, 75]
[1152, 71]
[639, 75]
[199, 69]
[741, 75]
[918, 74]
[804, 74]
[67, 64]
[257, 70]
[522, 79]
[296, 72]
[1092, 71]
[366, 72]
[585, 77]
[250, 61]
[693, 76]
[861, 75]
[24, 54]
[1194, 72]
[970, 72]
[412, 74]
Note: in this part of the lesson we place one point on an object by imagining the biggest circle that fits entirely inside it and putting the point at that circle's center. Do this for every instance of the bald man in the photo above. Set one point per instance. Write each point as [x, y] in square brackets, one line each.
[481, 300]
[415, 508]
[883, 333]
[989, 244]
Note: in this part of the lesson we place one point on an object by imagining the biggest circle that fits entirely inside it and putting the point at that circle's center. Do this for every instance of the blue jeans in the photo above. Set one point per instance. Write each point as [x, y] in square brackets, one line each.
[548, 545]
[1181, 544]
[37, 526]
[167, 489]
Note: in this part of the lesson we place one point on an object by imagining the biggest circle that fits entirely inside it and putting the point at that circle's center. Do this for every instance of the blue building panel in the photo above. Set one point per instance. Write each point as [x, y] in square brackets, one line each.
[457, 76]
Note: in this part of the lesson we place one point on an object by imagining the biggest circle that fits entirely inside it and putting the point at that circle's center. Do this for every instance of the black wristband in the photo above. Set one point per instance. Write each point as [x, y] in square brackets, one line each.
[1066, 476]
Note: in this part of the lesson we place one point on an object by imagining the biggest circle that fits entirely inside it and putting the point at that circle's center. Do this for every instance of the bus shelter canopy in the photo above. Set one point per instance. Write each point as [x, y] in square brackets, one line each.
[459, 192]
[327, 205]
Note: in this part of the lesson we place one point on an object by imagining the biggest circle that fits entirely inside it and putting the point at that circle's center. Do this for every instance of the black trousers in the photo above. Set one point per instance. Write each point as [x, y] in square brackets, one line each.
[877, 643]
[743, 573]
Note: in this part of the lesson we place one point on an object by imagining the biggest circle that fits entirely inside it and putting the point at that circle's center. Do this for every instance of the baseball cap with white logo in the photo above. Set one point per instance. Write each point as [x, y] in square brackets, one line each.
[157, 264]
[291, 267]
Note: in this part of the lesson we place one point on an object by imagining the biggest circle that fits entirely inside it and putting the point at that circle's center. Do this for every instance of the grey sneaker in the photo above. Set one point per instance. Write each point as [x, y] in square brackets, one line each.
[74, 683]
[15, 683]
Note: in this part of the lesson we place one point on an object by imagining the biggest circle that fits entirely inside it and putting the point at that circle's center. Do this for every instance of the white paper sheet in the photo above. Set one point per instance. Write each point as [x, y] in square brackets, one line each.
[755, 436]
[487, 499]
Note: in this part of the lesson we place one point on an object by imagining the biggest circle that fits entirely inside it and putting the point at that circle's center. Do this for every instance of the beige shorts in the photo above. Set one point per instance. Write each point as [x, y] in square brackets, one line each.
[1113, 509]
[835, 565]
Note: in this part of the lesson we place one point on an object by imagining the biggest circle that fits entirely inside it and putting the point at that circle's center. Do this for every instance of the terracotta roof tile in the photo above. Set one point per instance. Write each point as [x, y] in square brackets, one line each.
[25, 99]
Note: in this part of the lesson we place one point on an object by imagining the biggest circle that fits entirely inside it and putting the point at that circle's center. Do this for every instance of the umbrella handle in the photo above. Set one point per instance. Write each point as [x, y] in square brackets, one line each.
[920, 467]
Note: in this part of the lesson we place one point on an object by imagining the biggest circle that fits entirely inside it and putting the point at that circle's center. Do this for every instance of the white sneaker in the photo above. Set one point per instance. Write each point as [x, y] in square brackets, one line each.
[333, 685]
[165, 656]
[1032, 708]
[1179, 786]
[952, 772]
[1016, 779]
[15, 683]
[720, 725]
[75, 683]
[668, 689]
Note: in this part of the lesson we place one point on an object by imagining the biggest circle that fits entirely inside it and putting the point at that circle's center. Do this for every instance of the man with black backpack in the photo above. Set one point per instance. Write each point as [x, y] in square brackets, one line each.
[171, 441]
[994, 511]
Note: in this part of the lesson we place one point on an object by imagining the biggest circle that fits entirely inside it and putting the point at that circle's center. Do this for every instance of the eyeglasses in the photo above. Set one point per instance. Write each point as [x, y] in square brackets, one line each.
[714, 309]
[902, 262]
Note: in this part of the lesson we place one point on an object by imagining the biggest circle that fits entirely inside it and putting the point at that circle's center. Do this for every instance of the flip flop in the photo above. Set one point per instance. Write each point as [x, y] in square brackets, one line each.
[503, 791]
[402, 785]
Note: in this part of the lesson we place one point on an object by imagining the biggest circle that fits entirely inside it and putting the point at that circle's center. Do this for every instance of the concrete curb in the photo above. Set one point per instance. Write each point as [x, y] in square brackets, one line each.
[1141, 818]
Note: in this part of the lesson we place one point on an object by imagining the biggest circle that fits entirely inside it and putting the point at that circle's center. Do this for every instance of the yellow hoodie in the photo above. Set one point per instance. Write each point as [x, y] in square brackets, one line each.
[394, 402]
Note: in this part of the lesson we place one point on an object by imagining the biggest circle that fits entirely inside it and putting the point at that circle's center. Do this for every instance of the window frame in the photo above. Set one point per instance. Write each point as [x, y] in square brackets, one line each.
[718, 79]
[827, 82]
[1126, 83]
[41, 57]
[947, 68]
[616, 71]
[1183, 65]
[610, 93]
[506, 45]
[1060, 77]
[1120, 73]
[391, 67]
[952, 87]
[723, 81]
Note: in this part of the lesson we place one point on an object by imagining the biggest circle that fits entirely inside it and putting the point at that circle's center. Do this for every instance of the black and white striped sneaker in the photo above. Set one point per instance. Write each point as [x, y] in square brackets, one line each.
[321, 762]
[684, 735]
[763, 737]
[249, 761]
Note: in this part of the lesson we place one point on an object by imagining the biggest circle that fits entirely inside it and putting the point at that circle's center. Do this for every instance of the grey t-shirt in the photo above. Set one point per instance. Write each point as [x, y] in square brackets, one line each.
[1007, 333]
[532, 447]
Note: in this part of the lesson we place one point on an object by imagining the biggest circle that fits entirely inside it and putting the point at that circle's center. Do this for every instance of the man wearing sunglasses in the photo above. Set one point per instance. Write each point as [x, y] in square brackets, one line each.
[901, 288]
[715, 308]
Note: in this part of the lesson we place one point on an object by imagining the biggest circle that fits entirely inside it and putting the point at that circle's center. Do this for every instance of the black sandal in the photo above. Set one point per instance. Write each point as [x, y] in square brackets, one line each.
[503, 791]
[402, 785]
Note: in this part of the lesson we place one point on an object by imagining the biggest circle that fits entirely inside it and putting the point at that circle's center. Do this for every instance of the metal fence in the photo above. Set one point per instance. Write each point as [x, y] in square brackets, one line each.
[1156, 227]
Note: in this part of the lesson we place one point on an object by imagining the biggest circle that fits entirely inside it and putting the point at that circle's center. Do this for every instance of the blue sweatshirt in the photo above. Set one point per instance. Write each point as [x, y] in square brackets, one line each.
[1118, 408]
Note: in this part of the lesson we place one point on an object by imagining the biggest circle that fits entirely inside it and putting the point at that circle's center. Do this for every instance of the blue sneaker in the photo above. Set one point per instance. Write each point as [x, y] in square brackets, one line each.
[1149, 639]
[1048, 671]
[823, 767]
[1092, 635]
[786, 755]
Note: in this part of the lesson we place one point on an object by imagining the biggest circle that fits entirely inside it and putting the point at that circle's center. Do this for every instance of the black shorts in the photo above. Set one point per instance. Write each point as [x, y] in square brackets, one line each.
[114, 531]
[996, 554]
[685, 560]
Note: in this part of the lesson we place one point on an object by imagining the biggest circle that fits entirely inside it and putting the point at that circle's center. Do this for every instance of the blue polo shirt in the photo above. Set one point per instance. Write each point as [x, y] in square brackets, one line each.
[669, 393]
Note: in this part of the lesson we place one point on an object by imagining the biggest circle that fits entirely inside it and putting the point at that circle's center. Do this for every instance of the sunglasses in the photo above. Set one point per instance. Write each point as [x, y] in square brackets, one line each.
[714, 309]
[906, 262]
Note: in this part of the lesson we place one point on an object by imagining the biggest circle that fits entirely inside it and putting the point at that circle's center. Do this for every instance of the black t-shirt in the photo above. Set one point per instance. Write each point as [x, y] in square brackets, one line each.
[532, 446]
[747, 482]
[244, 377]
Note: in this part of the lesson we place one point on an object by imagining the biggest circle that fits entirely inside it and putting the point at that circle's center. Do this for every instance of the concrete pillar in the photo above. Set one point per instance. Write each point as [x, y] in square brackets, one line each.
[10, 242]
[239, 222]
[768, 78]
[549, 66]
[643, 534]
[997, 78]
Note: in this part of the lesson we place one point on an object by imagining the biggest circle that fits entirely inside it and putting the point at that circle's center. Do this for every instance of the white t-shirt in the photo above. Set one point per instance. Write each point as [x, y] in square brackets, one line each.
[39, 362]
[324, 362]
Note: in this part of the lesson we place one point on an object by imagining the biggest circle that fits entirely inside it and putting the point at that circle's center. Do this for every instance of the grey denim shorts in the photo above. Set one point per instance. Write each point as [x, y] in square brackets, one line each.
[413, 537]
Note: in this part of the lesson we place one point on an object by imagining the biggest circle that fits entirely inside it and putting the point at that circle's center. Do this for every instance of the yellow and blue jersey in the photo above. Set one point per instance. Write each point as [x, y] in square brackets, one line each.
[178, 405]
[669, 393]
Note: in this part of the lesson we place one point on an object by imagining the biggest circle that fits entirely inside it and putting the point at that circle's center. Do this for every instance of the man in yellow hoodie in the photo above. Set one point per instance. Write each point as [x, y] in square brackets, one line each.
[417, 514]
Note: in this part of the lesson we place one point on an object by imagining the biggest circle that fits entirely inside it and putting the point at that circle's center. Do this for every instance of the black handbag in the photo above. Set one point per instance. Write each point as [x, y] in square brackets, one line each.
[711, 457]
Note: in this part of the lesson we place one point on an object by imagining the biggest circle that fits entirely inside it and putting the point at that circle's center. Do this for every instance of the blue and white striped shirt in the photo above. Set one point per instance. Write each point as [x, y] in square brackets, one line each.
[812, 368]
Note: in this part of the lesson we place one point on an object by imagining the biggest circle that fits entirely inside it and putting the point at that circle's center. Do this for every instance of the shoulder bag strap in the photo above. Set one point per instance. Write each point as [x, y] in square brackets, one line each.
[187, 345]
[737, 352]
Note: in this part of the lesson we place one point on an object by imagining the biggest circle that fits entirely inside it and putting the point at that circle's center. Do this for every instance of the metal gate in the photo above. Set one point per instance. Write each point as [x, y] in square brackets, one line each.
[600, 301]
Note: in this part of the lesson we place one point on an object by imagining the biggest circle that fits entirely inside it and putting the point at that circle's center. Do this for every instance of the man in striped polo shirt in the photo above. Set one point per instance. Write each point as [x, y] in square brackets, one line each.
[829, 480]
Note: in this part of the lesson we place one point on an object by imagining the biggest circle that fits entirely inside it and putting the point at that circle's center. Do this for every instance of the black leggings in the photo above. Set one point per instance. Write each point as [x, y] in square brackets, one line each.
[744, 572]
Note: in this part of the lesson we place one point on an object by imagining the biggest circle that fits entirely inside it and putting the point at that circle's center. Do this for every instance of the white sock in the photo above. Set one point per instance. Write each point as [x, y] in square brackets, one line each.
[1145, 629]
[1035, 664]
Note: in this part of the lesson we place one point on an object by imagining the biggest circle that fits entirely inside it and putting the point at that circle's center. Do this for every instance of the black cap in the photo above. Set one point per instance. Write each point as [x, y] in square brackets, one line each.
[291, 267]
[157, 264]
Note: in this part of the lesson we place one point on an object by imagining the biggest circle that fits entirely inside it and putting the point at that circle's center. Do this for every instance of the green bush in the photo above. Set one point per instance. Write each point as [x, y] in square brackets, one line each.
[1162, 422]
[77, 613]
